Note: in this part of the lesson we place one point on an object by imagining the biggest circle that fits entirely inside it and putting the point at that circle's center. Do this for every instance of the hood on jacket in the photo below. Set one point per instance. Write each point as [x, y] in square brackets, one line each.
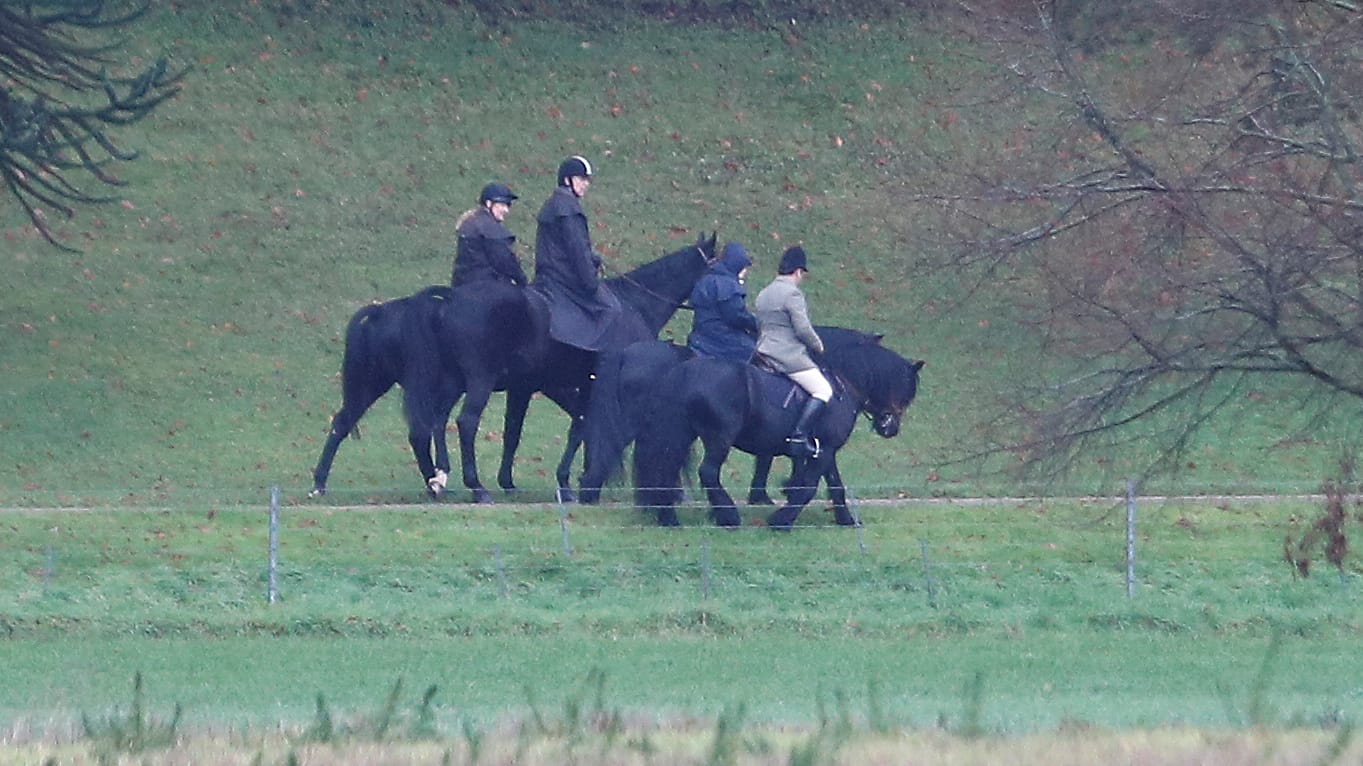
[733, 259]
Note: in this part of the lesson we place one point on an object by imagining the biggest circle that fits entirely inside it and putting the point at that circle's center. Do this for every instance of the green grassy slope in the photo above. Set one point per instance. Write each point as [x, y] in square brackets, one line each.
[316, 162]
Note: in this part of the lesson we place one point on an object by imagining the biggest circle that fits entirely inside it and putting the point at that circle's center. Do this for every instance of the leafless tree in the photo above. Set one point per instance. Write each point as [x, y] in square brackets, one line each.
[58, 102]
[1174, 206]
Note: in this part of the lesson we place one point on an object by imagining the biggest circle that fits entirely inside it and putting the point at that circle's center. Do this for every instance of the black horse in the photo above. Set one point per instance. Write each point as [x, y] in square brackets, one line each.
[619, 411]
[658, 395]
[443, 343]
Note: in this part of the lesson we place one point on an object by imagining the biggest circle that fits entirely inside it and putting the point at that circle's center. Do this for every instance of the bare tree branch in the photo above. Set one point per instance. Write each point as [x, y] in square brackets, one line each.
[1189, 225]
[57, 102]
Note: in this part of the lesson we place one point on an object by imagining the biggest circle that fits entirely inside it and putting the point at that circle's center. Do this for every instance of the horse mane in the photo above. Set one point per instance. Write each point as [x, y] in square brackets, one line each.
[658, 288]
[863, 363]
[663, 270]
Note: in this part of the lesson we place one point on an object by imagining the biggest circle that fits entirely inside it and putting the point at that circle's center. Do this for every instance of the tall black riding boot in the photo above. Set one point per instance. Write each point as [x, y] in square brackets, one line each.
[801, 439]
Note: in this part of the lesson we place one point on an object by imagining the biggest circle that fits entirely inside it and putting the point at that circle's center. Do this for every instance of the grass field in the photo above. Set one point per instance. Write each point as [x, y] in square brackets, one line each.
[500, 609]
[156, 384]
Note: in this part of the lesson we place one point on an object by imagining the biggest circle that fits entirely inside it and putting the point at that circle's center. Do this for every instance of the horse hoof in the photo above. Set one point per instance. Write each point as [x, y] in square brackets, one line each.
[844, 518]
[588, 496]
[437, 483]
[317, 492]
[728, 520]
[565, 495]
[780, 522]
[482, 496]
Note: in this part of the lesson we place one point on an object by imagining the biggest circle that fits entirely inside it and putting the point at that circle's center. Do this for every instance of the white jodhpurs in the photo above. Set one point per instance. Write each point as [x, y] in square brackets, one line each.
[814, 383]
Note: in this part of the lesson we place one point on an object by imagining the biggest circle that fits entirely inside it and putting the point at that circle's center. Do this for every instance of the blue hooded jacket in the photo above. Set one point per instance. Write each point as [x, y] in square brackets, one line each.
[722, 326]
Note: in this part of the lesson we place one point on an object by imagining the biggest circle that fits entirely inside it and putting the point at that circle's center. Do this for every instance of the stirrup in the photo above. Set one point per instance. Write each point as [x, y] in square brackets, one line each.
[807, 447]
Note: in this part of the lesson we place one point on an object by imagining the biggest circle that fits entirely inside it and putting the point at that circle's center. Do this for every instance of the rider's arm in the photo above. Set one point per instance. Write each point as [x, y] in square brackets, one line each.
[799, 319]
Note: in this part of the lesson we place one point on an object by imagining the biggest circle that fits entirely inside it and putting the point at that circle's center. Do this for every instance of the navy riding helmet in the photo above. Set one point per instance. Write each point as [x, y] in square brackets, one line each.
[497, 192]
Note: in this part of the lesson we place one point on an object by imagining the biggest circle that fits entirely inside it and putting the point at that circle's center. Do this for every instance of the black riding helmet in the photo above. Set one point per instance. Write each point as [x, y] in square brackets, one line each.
[793, 259]
[497, 192]
[575, 165]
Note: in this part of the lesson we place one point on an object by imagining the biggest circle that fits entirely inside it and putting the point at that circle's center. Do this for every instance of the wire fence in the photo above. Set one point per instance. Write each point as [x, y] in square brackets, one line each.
[971, 555]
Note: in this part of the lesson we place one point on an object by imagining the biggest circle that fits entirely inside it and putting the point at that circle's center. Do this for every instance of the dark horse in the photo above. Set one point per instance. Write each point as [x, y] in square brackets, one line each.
[618, 412]
[443, 343]
[658, 395]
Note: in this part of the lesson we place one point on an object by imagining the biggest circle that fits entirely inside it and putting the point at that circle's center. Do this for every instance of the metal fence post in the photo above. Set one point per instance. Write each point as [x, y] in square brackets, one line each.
[927, 575]
[705, 570]
[856, 518]
[1130, 539]
[272, 586]
[502, 587]
[563, 526]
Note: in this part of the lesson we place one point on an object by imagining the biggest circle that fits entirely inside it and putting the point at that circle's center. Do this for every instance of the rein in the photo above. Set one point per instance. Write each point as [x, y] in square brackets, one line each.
[864, 406]
[681, 304]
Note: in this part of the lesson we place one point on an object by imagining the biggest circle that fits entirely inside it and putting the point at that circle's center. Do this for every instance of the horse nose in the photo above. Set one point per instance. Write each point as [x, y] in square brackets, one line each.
[888, 428]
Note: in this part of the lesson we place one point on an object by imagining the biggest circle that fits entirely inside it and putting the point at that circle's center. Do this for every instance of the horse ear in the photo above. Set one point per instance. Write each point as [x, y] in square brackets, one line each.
[917, 364]
[879, 336]
[707, 246]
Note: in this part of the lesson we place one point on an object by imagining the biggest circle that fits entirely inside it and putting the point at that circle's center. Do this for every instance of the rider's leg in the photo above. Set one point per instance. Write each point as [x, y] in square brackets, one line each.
[801, 439]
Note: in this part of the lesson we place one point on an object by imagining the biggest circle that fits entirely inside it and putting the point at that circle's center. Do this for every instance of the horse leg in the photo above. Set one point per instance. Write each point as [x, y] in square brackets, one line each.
[437, 483]
[342, 424]
[470, 416]
[837, 492]
[722, 508]
[565, 463]
[442, 452]
[517, 403]
[434, 417]
[804, 482]
[651, 497]
[761, 471]
[419, 436]
[422, 421]
[657, 473]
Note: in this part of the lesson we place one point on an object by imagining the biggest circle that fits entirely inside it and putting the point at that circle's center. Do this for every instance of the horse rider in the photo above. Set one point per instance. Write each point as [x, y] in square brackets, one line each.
[582, 312]
[485, 251]
[721, 325]
[786, 340]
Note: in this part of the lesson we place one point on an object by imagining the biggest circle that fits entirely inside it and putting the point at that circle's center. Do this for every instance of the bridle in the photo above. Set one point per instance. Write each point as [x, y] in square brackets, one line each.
[681, 304]
[864, 405]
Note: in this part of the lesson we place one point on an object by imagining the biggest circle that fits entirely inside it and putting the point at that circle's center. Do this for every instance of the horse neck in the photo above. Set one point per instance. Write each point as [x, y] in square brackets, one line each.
[657, 289]
[854, 374]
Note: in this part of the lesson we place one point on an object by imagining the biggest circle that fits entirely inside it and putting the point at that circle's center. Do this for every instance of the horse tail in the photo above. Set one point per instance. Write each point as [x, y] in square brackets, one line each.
[606, 428]
[624, 397]
[663, 456]
[367, 370]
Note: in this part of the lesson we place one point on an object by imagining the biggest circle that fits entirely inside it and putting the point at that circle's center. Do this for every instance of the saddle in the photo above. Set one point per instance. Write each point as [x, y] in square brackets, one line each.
[776, 385]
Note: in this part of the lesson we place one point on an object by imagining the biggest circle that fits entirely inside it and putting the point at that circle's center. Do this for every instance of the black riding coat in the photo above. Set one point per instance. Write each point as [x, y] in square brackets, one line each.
[485, 252]
[582, 312]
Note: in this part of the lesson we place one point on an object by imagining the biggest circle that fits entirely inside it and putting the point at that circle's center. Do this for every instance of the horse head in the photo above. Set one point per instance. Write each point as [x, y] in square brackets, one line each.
[706, 247]
[885, 406]
[883, 383]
